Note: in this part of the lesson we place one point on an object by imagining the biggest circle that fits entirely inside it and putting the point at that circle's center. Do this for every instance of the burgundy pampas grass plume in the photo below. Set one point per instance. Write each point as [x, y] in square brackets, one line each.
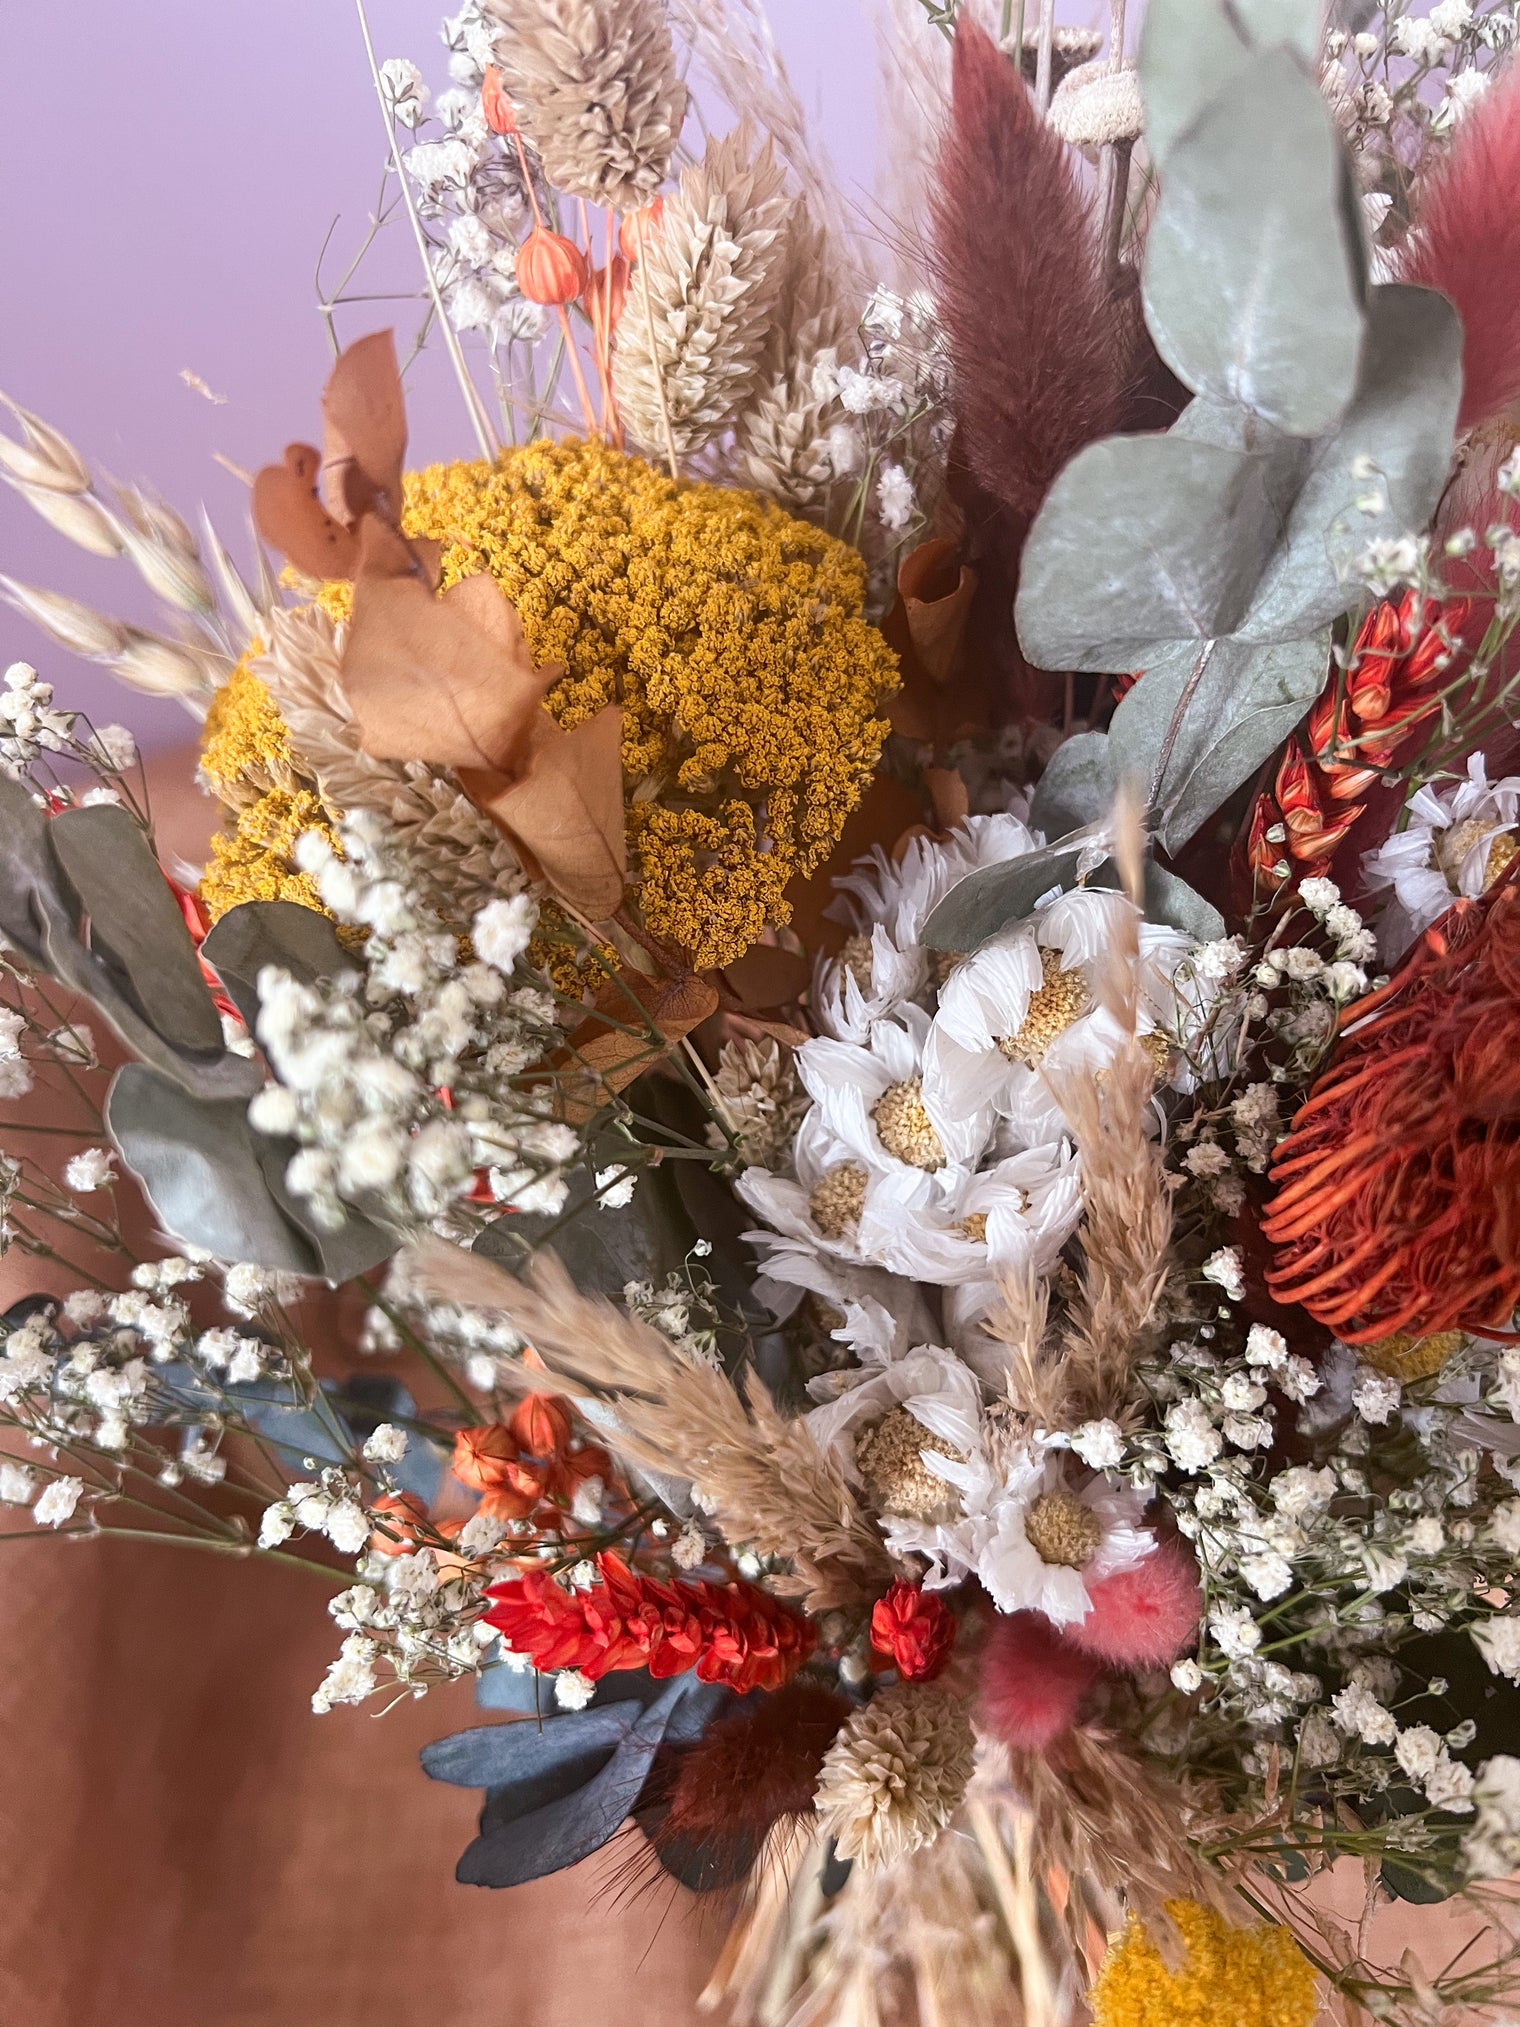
[1143, 1617]
[750, 1771]
[1033, 1682]
[1466, 243]
[1038, 344]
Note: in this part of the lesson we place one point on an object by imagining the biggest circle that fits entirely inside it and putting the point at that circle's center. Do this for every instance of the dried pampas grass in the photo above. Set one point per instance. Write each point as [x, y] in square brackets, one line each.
[702, 298]
[762, 1478]
[598, 92]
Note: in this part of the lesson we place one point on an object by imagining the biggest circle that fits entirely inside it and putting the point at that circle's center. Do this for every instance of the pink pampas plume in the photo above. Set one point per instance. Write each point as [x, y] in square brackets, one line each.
[1038, 343]
[1146, 1616]
[1033, 1682]
[1467, 245]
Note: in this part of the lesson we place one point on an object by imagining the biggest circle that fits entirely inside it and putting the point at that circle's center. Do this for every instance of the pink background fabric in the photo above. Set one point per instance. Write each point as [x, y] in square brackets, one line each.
[171, 168]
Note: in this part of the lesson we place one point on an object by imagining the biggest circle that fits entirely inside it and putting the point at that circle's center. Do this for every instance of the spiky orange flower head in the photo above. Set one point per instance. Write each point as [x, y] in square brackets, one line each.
[1398, 1186]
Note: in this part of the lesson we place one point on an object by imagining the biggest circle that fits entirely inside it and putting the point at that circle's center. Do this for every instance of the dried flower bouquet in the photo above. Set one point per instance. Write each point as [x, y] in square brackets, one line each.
[884, 943]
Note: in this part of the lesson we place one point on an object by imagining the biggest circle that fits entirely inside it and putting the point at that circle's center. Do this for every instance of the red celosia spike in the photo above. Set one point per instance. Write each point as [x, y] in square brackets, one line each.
[1265, 859]
[1468, 246]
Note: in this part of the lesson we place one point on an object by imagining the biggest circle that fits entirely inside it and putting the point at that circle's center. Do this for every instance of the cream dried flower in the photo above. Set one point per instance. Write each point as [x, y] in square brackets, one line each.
[597, 88]
[764, 1100]
[713, 272]
[1095, 107]
[895, 1775]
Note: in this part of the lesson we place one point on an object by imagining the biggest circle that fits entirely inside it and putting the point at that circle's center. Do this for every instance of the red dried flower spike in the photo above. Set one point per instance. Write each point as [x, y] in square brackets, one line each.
[914, 1629]
[733, 1634]
[550, 268]
[1355, 730]
[495, 105]
[1398, 1186]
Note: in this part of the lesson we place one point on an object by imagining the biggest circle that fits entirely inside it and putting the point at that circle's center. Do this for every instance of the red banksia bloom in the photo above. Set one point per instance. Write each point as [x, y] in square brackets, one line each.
[551, 270]
[1398, 1186]
[915, 1629]
[730, 1633]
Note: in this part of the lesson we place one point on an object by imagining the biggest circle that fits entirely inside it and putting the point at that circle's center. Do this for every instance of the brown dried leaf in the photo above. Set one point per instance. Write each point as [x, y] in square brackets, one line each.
[564, 810]
[949, 795]
[448, 680]
[364, 411]
[936, 589]
[767, 976]
[610, 1058]
[290, 517]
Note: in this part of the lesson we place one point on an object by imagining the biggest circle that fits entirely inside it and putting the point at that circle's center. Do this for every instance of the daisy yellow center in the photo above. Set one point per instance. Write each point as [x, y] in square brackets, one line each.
[905, 1129]
[1501, 855]
[1062, 1531]
[895, 1474]
[1451, 847]
[1061, 1000]
[836, 1201]
[1406, 1357]
[855, 958]
[943, 962]
[974, 1228]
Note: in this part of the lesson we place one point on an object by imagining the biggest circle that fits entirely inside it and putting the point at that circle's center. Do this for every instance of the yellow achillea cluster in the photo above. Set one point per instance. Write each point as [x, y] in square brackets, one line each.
[1232, 1977]
[733, 637]
[246, 758]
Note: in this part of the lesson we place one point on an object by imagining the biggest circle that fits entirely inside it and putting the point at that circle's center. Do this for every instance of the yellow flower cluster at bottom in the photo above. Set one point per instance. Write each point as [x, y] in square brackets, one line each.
[1255, 1977]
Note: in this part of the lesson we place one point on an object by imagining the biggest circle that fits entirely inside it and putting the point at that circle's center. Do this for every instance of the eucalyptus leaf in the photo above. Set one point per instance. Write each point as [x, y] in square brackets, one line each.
[1394, 443]
[1248, 700]
[987, 901]
[1252, 289]
[299, 940]
[533, 1763]
[1077, 787]
[1172, 902]
[36, 905]
[355, 1247]
[1142, 541]
[1190, 50]
[136, 927]
[198, 1164]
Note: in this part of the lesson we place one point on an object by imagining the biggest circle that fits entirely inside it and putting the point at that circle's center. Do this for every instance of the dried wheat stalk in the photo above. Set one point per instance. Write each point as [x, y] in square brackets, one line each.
[763, 1478]
[713, 275]
[598, 91]
[779, 445]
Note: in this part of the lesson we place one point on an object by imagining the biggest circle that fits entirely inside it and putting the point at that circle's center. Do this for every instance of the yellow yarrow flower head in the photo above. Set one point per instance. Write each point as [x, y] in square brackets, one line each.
[1231, 1977]
[732, 635]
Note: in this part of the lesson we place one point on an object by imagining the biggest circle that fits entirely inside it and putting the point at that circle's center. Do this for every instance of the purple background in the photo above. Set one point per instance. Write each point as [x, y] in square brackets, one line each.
[171, 168]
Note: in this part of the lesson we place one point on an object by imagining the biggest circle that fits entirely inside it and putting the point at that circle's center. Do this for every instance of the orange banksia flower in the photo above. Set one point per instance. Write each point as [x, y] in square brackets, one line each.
[1391, 687]
[1398, 1186]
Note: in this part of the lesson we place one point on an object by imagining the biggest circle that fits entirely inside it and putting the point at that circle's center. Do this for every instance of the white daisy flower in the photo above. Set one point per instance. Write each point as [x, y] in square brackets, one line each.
[890, 1408]
[1023, 1006]
[1457, 842]
[1033, 1534]
[877, 1103]
[1017, 1214]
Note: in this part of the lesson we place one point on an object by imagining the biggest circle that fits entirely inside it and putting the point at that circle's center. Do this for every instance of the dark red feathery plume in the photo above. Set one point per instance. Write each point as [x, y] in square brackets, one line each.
[1039, 347]
[1467, 245]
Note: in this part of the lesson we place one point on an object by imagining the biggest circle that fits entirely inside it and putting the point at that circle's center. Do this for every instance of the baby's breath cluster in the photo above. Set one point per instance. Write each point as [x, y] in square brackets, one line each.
[401, 1080]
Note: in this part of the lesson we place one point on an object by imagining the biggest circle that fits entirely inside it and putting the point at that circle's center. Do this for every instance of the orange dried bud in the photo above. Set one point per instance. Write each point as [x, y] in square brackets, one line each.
[642, 225]
[540, 1425]
[520, 1489]
[606, 292]
[483, 1456]
[495, 105]
[402, 1514]
[550, 268]
[1294, 789]
[1383, 638]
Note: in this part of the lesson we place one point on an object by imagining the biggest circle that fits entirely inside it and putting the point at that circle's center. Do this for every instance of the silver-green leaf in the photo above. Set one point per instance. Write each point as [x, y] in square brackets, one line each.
[1252, 285]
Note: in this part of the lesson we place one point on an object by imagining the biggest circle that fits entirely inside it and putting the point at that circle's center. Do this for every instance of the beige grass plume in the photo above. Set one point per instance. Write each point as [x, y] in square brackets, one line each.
[702, 298]
[598, 91]
[779, 437]
[762, 1478]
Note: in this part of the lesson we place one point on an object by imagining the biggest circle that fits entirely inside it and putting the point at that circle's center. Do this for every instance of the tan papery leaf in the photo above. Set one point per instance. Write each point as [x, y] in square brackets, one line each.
[290, 517]
[936, 592]
[610, 1058]
[364, 413]
[949, 795]
[447, 680]
[564, 811]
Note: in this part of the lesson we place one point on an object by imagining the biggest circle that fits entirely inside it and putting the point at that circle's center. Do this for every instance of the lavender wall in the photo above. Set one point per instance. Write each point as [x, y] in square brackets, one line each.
[170, 169]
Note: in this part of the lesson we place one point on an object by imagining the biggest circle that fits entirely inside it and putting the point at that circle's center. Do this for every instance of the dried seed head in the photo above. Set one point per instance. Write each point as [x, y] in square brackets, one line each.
[78, 516]
[1062, 999]
[1063, 1531]
[45, 458]
[169, 573]
[904, 1127]
[889, 1459]
[162, 667]
[77, 627]
[550, 268]
[836, 1202]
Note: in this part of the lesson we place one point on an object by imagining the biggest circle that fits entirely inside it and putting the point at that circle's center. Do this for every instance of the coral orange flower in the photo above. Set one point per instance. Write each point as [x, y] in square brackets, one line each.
[550, 268]
[1352, 734]
[495, 105]
[915, 1629]
[1398, 1186]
